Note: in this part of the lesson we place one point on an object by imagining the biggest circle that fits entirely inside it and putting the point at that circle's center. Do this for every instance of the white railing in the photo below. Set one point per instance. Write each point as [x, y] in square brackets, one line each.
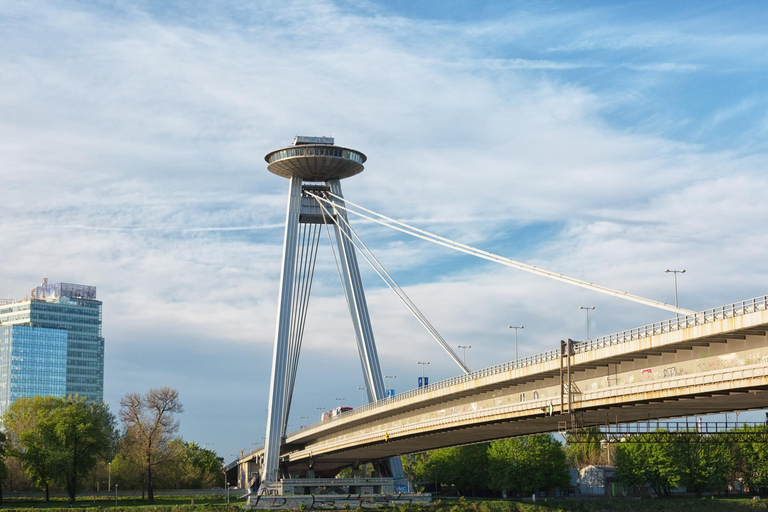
[704, 317]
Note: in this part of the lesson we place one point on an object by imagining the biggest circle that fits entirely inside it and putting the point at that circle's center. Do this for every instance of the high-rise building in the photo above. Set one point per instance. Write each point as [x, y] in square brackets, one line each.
[51, 344]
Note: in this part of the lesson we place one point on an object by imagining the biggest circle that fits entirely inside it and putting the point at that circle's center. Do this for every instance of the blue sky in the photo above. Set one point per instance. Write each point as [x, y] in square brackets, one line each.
[605, 140]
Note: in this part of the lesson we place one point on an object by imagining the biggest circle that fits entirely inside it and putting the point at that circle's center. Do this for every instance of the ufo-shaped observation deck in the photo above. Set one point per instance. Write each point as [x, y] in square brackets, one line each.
[312, 160]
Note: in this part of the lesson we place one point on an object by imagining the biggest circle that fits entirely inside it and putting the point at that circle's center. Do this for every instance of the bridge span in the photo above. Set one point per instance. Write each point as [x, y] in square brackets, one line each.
[707, 362]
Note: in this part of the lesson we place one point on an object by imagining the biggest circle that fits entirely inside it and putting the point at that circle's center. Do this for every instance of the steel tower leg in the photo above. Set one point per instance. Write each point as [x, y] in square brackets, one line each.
[358, 307]
[358, 310]
[275, 412]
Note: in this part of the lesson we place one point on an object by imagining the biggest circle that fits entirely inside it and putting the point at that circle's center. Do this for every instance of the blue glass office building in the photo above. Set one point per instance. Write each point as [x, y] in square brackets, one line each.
[51, 344]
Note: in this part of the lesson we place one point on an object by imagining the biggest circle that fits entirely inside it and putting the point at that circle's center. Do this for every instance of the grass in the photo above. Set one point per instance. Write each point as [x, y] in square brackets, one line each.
[162, 503]
[218, 504]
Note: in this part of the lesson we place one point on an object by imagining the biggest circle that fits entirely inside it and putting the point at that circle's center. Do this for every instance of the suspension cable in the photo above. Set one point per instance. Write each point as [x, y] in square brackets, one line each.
[392, 284]
[445, 242]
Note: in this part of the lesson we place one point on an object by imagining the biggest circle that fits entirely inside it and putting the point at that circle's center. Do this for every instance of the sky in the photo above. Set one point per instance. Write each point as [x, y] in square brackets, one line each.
[604, 140]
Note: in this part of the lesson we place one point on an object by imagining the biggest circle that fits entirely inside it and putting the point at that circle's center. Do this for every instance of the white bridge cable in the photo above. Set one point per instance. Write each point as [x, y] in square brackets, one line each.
[445, 242]
[392, 284]
[305, 265]
[338, 270]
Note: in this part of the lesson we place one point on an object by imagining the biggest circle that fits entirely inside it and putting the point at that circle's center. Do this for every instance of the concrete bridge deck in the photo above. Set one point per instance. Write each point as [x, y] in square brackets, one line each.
[712, 361]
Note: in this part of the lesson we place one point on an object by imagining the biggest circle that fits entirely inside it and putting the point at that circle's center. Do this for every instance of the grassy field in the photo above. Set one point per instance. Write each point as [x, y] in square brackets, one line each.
[218, 504]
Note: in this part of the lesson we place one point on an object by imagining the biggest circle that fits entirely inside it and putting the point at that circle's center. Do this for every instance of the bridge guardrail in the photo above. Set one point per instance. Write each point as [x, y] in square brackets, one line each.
[674, 324]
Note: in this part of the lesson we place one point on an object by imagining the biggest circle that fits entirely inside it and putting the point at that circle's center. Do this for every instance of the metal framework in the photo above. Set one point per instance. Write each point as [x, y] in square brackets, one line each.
[670, 432]
[314, 165]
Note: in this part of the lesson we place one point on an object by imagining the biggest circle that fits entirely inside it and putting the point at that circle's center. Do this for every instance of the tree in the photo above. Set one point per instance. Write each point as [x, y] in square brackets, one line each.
[646, 461]
[461, 466]
[3, 467]
[21, 422]
[703, 466]
[149, 426]
[126, 473]
[61, 439]
[200, 468]
[753, 461]
[584, 453]
[527, 464]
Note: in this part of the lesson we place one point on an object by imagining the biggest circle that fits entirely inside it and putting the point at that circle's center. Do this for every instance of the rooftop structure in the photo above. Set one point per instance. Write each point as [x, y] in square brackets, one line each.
[315, 159]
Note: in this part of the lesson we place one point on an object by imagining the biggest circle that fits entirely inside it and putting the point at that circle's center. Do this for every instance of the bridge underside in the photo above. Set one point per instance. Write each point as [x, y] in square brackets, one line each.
[662, 408]
[503, 429]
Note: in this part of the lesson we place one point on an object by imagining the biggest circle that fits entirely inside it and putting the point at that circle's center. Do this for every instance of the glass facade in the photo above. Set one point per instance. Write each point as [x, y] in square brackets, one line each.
[65, 310]
[33, 361]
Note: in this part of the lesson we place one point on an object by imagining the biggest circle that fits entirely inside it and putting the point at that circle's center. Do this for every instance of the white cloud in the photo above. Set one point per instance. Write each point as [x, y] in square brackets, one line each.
[133, 160]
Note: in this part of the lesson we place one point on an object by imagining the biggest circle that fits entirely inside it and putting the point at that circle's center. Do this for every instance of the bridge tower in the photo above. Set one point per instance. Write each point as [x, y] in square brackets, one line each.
[314, 164]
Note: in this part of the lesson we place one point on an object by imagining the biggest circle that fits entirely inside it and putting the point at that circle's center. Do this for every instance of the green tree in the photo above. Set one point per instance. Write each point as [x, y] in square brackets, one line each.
[646, 461]
[527, 464]
[61, 439]
[585, 453]
[126, 473]
[752, 461]
[202, 467]
[150, 426]
[3, 467]
[77, 433]
[703, 466]
[21, 421]
[193, 467]
[465, 467]
[414, 467]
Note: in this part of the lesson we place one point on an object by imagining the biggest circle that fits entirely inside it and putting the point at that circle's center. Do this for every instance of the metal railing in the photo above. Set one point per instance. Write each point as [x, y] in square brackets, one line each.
[704, 317]
[675, 324]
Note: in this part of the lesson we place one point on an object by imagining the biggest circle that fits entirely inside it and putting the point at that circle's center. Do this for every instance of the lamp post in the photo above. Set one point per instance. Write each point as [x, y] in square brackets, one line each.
[423, 364]
[362, 395]
[339, 400]
[586, 310]
[675, 272]
[465, 347]
[109, 484]
[388, 382]
[516, 328]
[115, 494]
[304, 423]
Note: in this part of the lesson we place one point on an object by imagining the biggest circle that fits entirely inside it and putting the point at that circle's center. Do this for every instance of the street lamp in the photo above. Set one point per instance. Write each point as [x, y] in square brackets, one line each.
[304, 422]
[109, 484]
[516, 328]
[115, 494]
[388, 382]
[586, 310]
[465, 347]
[423, 364]
[339, 400]
[362, 395]
[675, 272]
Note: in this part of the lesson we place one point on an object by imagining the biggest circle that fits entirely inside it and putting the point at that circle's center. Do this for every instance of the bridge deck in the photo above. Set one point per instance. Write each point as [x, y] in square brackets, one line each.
[712, 361]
